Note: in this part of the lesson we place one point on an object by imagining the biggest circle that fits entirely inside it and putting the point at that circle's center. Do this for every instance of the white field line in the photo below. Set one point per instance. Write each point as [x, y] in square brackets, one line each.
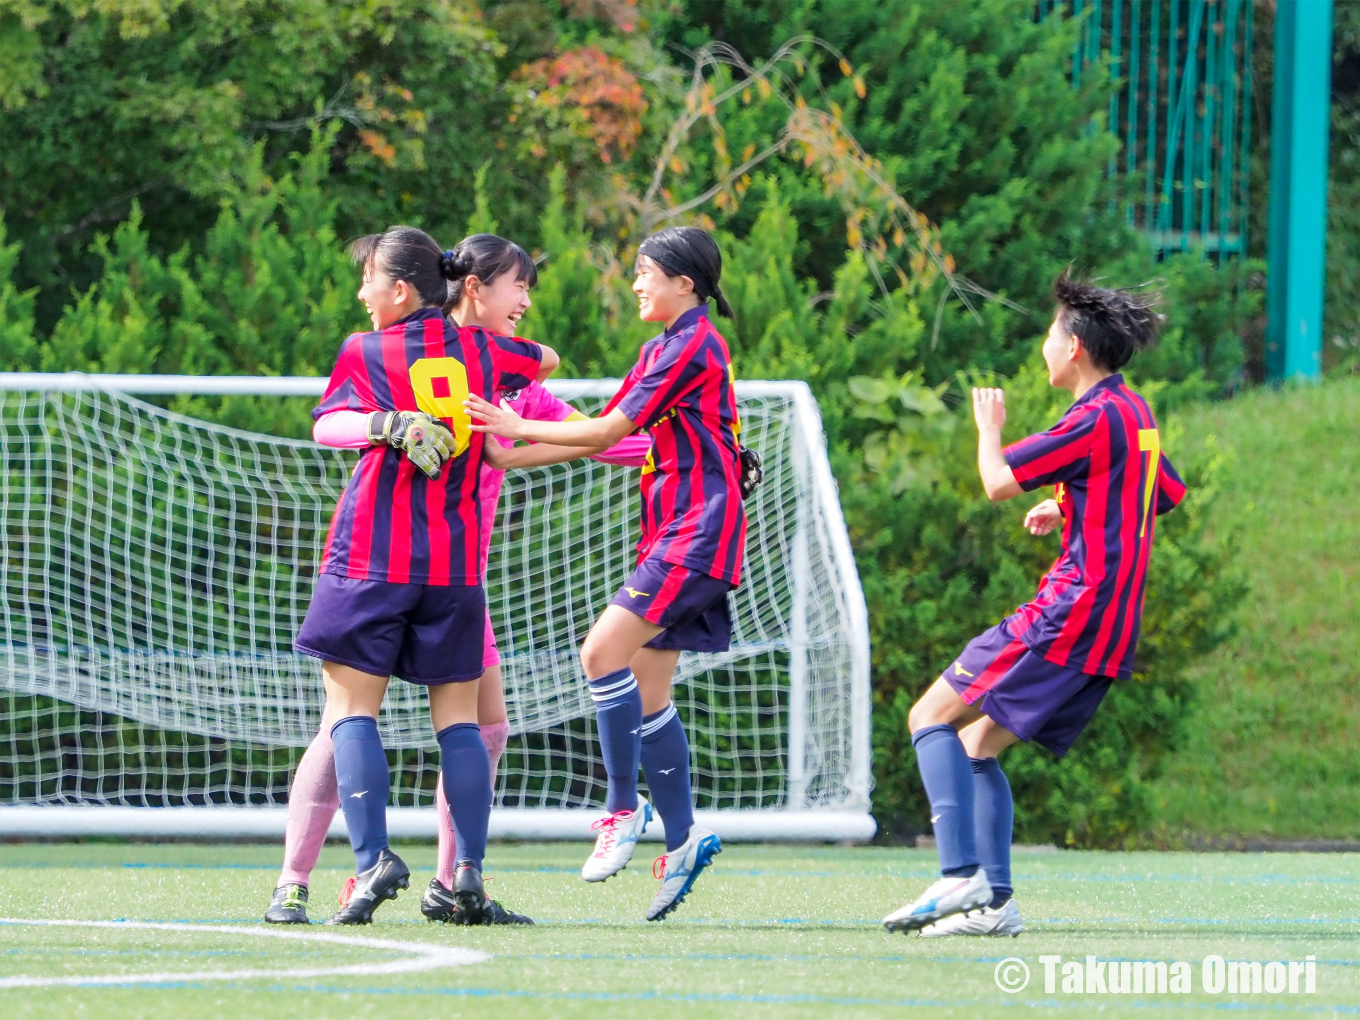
[428, 956]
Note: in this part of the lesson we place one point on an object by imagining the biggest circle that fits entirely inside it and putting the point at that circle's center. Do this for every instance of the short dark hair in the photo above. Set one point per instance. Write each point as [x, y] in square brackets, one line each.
[406, 253]
[692, 252]
[1112, 324]
[486, 256]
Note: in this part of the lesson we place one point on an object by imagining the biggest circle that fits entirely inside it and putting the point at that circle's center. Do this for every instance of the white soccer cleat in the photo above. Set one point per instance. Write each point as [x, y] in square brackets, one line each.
[680, 868]
[945, 897]
[991, 921]
[617, 839]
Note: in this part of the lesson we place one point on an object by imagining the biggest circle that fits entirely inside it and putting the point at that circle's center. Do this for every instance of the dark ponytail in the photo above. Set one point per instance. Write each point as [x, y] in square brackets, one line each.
[692, 252]
[485, 256]
[406, 253]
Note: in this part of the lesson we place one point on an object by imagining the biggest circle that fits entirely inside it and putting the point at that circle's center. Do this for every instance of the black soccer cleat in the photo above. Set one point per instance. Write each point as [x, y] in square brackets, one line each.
[438, 903]
[380, 882]
[468, 893]
[494, 913]
[288, 905]
[482, 909]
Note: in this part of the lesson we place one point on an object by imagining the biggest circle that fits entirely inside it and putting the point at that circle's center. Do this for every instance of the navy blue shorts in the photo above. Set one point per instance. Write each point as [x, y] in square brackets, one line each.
[691, 606]
[423, 633]
[1024, 692]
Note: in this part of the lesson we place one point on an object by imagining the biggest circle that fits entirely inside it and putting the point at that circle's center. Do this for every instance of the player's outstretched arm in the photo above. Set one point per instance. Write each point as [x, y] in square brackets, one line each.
[594, 433]
[989, 411]
[537, 455]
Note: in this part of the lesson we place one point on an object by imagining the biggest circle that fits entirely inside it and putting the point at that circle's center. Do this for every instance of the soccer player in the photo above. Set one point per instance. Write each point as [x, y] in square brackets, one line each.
[689, 557]
[1040, 674]
[494, 296]
[399, 589]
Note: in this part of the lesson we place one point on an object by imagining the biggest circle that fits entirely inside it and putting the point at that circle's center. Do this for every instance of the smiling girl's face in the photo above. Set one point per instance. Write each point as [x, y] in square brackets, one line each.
[661, 298]
[497, 306]
[387, 300]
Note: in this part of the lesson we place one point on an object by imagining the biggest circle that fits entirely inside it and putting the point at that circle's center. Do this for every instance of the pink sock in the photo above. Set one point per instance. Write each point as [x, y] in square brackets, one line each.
[495, 737]
[312, 803]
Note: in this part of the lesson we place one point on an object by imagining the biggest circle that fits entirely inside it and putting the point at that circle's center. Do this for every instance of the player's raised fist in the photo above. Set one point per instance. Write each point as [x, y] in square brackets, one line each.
[1043, 518]
[989, 407]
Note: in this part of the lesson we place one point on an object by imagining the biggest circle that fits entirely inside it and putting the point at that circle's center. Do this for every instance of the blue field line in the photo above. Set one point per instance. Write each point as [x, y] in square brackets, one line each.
[826, 923]
[1272, 879]
[1079, 1003]
[853, 924]
[601, 957]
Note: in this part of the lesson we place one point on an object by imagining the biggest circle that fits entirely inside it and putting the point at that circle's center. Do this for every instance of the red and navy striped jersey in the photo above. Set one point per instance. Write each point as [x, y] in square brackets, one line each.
[392, 522]
[1112, 481]
[681, 391]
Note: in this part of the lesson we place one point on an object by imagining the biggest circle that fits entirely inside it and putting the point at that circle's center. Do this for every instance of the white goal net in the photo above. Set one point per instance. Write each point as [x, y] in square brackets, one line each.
[157, 567]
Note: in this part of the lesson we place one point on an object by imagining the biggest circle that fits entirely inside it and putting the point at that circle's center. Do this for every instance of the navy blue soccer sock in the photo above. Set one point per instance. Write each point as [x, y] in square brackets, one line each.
[364, 785]
[993, 817]
[665, 763]
[949, 785]
[618, 719]
[467, 788]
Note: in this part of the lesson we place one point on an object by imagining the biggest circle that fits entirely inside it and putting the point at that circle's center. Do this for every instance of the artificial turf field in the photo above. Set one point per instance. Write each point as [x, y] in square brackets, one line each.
[769, 931]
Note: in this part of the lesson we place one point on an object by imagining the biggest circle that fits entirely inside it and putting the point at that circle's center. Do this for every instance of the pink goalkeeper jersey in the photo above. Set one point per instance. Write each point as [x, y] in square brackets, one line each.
[535, 403]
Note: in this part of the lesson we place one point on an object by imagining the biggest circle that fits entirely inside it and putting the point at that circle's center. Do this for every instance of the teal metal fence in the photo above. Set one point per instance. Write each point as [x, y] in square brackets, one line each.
[1181, 107]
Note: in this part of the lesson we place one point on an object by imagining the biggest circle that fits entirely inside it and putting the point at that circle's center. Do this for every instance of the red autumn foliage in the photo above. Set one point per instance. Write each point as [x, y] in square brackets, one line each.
[595, 91]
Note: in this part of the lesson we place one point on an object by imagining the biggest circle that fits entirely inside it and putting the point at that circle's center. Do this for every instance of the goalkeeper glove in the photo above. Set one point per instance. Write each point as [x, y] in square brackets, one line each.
[425, 440]
[752, 474]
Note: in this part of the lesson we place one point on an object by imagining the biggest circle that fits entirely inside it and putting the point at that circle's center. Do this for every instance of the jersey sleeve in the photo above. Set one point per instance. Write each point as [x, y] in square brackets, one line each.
[535, 403]
[630, 451]
[678, 368]
[342, 430]
[1058, 455]
[1170, 488]
[626, 387]
[517, 361]
[349, 388]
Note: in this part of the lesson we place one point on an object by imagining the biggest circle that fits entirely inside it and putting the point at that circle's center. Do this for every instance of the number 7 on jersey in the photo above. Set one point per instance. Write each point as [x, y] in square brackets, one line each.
[1149, 441]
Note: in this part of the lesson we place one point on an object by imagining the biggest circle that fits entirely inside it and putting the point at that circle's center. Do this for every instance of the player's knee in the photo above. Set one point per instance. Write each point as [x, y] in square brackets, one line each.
[921, 716]
[596, 658]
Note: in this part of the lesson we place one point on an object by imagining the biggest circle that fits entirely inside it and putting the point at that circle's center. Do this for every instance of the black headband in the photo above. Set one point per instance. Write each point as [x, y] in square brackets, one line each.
[676, 264]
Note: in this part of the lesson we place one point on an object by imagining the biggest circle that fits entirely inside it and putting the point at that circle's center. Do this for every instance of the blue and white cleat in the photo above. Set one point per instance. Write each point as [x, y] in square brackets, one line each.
[617, 839]
[993, 922]
[679, 869]
[947, 896]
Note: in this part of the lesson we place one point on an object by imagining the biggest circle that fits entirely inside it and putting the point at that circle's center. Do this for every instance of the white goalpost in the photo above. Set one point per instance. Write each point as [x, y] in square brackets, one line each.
[157, 567]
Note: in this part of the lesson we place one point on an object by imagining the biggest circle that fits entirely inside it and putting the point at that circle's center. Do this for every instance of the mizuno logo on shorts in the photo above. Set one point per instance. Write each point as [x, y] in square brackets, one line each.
[960, 671]
[635, 593]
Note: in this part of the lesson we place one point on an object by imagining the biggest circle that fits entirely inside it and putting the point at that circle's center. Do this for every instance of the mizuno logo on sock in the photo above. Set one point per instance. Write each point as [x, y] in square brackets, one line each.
[666, 772]
[359, 794]
[935, 819]
[638, 730]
